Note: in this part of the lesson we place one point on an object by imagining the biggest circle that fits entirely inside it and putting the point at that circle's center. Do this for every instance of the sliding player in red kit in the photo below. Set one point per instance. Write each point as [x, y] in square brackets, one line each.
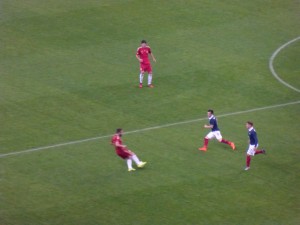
[142, 54]
[124, 152]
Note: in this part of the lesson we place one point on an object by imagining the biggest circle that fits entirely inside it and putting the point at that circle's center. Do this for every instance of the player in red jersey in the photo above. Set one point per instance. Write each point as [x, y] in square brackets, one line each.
[142, 54]
[124, 152]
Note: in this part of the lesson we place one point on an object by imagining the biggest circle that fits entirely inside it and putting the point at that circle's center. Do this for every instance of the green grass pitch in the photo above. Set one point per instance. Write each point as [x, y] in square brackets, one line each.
[68, 73]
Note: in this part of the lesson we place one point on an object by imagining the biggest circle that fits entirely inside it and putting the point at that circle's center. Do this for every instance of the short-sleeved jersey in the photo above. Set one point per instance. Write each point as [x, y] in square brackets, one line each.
[116, 138]
[123, 152]
[143, 53]
[252, 136]
[213, 121]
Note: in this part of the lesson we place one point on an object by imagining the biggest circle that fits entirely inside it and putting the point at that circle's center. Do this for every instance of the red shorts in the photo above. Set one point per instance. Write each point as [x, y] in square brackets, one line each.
[145, 68]
[124, 153]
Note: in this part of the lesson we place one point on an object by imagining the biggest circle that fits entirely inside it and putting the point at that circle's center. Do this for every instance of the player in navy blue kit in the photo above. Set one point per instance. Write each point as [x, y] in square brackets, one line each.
[215, 132]
[253, 144]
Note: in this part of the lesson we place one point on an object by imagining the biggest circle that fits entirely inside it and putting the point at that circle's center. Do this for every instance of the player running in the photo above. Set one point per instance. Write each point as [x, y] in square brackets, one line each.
[145, 66]
[124, 152]
[215, 132]
[253, 144]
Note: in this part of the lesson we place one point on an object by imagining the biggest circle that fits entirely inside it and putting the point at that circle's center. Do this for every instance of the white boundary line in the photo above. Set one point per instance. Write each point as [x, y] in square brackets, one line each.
[142, 130]
[272, 68]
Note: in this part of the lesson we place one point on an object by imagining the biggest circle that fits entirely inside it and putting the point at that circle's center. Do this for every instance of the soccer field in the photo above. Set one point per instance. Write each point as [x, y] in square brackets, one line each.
[69, 78]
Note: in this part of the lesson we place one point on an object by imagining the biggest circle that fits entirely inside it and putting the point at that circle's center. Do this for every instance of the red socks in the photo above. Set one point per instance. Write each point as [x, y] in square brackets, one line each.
[258, 152]
[205, 142]
[223, 141]
[226, 142]
[248, 159]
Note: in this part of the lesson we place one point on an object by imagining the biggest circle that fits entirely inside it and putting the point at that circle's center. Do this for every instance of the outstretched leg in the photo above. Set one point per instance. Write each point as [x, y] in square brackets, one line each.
[232, 145]
[139, 163]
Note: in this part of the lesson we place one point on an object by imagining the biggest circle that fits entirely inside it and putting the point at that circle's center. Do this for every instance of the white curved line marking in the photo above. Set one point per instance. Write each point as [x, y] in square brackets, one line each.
[272, 68]
[178, 123]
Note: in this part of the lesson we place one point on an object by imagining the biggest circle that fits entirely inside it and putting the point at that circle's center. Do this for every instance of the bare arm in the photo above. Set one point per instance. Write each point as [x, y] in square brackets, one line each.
[138, 58]
[208, 126]
[153, 58]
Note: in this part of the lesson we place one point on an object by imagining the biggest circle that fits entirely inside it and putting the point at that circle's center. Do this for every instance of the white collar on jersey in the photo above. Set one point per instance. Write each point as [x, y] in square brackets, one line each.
[251, 128]
[212, 116]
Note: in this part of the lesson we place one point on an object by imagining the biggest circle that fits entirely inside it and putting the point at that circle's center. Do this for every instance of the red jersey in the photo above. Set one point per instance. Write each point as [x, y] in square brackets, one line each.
[121, 151]
[143, 53]
[116, 138]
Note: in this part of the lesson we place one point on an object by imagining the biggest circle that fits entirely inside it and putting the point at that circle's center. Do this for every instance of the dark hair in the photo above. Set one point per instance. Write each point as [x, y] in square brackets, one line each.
[119, 130]
[250, 123]
[211, 111]
[144, 41]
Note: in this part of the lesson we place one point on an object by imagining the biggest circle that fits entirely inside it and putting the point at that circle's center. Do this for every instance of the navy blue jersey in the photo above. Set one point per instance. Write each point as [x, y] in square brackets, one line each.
[252, 136]
[214, 123]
